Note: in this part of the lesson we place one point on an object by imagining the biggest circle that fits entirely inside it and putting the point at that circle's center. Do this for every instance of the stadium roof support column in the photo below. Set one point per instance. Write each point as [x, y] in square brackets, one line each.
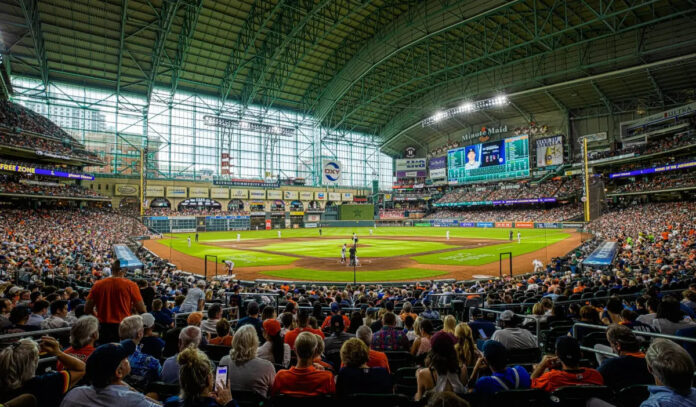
[30, 8]
[262, 11]
[188, 27]
[658, 91]
[165, 18]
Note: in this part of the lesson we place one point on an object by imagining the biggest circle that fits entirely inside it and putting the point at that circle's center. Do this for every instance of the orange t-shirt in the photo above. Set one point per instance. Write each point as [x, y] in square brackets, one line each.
[376, 359]
[113, 298]
[292, 335]
[306, 381]
[554, 379]
[327, 322]
[221, 340]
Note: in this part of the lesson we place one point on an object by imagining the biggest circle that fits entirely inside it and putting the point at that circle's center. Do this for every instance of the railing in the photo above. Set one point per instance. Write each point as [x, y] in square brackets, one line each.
[32, 334]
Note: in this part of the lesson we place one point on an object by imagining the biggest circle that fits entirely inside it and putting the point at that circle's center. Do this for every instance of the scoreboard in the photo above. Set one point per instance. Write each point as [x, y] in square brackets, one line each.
[490, 161]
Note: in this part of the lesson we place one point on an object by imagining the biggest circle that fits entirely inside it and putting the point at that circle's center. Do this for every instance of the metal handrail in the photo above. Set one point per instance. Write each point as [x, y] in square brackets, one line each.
[636, 294]
[42, 332]
[641, 333]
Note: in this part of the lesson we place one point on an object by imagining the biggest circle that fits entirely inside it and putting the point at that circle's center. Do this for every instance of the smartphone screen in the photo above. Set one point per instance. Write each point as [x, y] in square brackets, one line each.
[483, 334]
[220, 377]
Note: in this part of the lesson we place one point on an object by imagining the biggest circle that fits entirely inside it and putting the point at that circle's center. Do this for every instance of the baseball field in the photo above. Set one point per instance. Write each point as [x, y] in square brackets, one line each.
[384, 253]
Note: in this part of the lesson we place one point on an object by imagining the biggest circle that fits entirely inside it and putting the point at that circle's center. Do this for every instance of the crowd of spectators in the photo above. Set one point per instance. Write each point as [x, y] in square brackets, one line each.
[44, 186]
[548, 189]
[165, 211]
[27, 129]
[654, 145]
[339, 340]
[656, 182]
[46, 166]
[509, 213]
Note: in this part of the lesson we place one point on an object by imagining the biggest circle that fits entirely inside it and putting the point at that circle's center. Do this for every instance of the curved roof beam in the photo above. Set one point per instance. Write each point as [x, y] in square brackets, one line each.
[403, 33]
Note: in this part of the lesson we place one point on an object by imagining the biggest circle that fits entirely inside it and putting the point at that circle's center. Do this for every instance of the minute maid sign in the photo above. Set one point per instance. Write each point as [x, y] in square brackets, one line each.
[331, 172]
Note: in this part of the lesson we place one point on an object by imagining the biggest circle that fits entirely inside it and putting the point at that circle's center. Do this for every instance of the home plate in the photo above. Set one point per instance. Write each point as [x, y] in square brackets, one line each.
[482, 276]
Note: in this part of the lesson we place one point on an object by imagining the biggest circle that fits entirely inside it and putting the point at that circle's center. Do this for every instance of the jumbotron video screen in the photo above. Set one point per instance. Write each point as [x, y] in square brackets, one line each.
[490, 161]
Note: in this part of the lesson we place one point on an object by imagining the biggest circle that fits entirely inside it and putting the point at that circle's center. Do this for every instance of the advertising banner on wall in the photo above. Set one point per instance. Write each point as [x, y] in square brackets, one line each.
[331, 172]
[347, 197]
[257, 194]
[239, 193]
[524, 225]
[503, 224]
[222, 193]
[549, 151]
[306, 195]
[125, 190]
[410, 167]
[274, 194]
[335, 196]
[437, 167]
[290, 195]
[198, 192]
[154, 191]
[176, 192]
[320, 196]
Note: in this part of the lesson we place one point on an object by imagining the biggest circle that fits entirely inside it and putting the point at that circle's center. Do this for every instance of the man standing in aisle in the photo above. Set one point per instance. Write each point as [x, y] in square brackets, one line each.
[113, 298]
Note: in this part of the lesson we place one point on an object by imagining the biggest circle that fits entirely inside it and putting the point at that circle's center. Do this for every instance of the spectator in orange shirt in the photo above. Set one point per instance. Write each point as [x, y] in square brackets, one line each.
[303, 326]
[406, 311]
[570, 373]
[304, 380]
[113, 298]
[335, 310]
[223, 337]
[374, 358]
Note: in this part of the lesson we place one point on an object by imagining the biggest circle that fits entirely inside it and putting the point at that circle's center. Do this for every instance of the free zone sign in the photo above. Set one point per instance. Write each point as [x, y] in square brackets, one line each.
[331, 171]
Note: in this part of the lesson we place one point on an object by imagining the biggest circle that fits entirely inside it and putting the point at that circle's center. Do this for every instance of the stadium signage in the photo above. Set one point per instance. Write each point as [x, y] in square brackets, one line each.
[306, 195]
[547, 225]
[260, 213]
[485, 133]
[347, 197]
[125, 190]
[410, 167]
[505, 202]
[274, 194]
[549, 151]
[467, 224]
[524, 225]
[257, 194]
[296, 213]
[603, 255]
[331, 173]
[227, 217]
[320, 196]
[239, 193]
[410, 152]
[246, 183]
[41, 171]
[438, 167]
[176, 192]
[666, 115]
[575, 225]
[310, 225]
[593, 137]
[485, 224]
[503, 224]
[335, 196]
[289, 195]
[222, 193]
[198, 192]
[671, 167]
[154, 191]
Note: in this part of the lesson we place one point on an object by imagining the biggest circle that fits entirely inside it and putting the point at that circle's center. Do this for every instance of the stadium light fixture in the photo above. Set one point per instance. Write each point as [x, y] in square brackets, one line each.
[467, 107]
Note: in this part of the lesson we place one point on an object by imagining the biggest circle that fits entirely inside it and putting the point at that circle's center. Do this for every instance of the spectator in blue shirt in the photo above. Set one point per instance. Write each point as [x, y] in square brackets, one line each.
[144, 368]
[673, 370]
[253, 319]
[502, 377]
[151, 344]
[163, 315]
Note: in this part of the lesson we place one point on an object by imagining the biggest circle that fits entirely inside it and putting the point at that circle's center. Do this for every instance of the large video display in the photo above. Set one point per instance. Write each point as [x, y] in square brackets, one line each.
[490, 161]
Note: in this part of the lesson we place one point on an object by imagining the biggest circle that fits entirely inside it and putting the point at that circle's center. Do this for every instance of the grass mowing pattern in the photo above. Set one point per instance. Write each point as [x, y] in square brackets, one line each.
[347, 276]
[488, 254]
[241, 258]
[375, 247]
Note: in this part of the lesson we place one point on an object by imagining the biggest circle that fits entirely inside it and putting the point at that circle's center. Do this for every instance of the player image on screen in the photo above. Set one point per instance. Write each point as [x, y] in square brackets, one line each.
[473, 160]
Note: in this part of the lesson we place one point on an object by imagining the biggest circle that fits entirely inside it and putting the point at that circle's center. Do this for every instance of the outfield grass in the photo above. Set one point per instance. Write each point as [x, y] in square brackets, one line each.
[347, 232]
[241, 258]
[347, 276]
[373, 247]
[488, 254]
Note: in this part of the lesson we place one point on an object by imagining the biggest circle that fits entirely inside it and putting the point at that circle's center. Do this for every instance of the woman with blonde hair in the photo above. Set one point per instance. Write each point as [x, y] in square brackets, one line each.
[196, 381]
[246, 371]
[465, 346]
[449, 324]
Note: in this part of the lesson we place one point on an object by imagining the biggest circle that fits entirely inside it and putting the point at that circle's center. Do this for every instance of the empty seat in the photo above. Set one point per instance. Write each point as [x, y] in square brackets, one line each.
[405, 381]
[519, 398]
[399, 359]
[577, 396]
[248, 398]
[632, 396]
[521, 356]
[216, 352]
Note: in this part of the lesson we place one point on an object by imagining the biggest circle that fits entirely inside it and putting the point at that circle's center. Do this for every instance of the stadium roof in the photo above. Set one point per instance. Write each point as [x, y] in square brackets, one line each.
[376, 66]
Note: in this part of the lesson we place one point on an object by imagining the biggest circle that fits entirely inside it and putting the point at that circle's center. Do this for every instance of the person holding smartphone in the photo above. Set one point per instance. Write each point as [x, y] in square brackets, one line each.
[200, 387]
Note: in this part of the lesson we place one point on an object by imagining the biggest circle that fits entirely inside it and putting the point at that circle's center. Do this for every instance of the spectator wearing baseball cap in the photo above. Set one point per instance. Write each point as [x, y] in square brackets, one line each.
[333, 343]
[569, 373]
[629, 367]
[151, 344]
[252, 318]
[511, 336]
[335, 310]
[495, 357]
[106, 368]
[274, 350]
